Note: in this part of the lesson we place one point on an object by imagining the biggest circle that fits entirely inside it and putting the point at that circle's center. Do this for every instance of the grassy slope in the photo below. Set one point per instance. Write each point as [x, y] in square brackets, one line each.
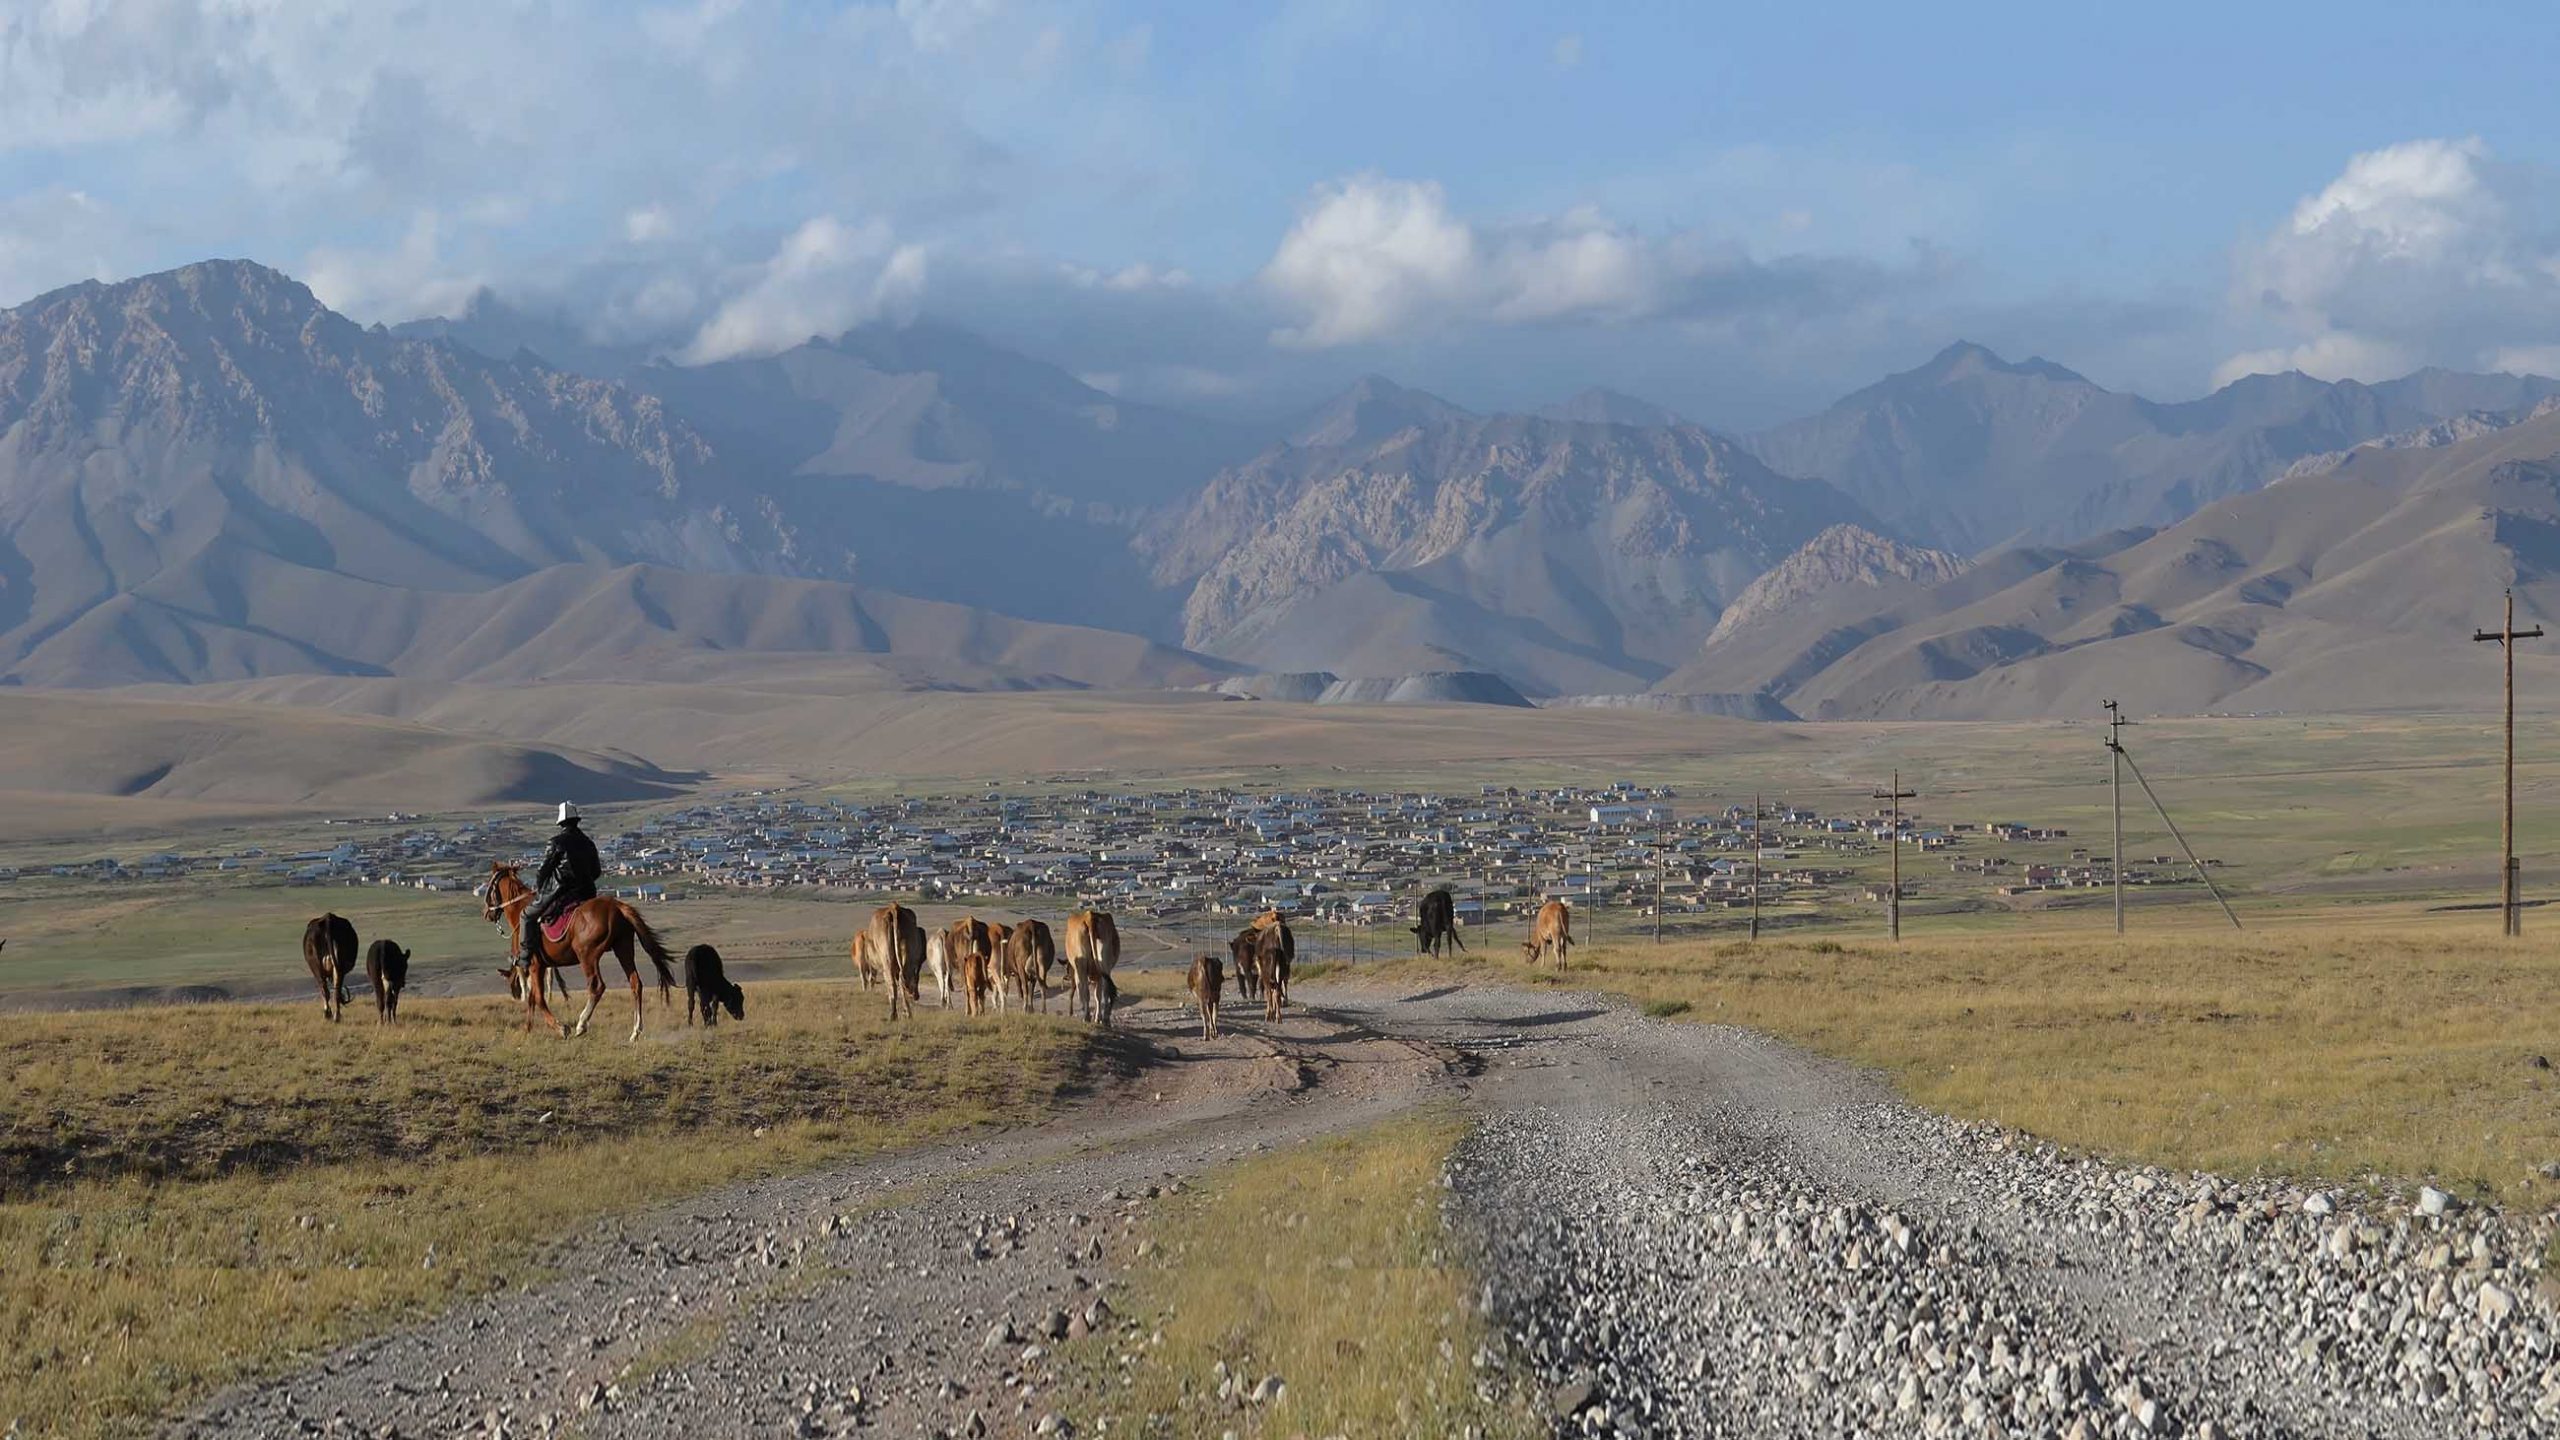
[2311, 1051]
[1324, 1265]
[195, 1195]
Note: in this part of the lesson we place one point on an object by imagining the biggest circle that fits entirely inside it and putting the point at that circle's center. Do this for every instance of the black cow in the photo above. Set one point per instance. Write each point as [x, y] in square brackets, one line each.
[1439, 925]
[387, 966]
[1240, 953]
[707, 988]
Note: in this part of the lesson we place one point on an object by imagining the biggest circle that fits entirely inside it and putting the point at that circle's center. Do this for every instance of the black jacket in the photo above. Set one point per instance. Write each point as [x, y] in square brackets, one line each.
[572, 857]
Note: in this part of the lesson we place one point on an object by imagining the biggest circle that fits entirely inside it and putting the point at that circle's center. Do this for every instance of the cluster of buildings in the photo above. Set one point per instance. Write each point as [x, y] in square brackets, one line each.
[1340, 856]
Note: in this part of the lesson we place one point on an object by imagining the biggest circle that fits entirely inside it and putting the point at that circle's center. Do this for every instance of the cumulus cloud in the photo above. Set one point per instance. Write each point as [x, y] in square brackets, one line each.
[407, 278]
[2428, 251]
[825, 277]
[1373, 258]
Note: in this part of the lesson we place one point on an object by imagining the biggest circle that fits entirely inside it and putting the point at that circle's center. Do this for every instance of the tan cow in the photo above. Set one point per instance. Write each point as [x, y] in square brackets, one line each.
[999, 936]
[1553, 932]
[1093, 952]
[1275, 950]
[974, 982]
[1028, 954]
[1208, 983]
[894, 943]
[870, 963]
[963, 939]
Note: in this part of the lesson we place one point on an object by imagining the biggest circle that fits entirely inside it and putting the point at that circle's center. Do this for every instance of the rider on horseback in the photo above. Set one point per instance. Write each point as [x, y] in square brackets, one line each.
[573, 861]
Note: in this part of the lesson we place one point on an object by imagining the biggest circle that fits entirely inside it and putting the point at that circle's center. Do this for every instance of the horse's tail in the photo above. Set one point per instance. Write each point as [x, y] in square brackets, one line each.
[657, 949]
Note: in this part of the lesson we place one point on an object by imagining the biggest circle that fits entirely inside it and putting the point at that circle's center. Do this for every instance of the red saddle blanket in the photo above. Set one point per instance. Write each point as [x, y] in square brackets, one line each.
[556, 928]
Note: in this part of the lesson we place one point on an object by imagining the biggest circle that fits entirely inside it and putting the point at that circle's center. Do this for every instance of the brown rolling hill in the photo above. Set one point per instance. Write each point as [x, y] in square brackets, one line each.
[2351, 587]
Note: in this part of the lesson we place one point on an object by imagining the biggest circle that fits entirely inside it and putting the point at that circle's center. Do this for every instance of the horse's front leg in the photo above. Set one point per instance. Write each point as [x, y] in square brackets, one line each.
[537, 973]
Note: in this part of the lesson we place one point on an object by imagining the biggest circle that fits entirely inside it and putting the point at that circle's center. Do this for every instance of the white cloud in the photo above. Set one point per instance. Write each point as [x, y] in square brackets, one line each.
[825, 277]
[647, 223]
[2425, 252]
[1568, 51]
[57, 237]
[1372, 258]
[407, 280]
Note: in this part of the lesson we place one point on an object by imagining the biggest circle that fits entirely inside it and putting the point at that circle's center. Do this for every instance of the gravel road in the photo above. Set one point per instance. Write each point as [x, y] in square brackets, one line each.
[1685, 1230]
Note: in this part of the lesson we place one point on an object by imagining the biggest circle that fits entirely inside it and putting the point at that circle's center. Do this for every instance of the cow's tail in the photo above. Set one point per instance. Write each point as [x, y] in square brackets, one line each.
[657, 949]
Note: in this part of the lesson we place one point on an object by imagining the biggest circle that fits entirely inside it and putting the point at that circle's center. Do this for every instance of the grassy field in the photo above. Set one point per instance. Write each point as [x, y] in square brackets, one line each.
[1323, 1265]
[2334, 1052]
[189, 1196]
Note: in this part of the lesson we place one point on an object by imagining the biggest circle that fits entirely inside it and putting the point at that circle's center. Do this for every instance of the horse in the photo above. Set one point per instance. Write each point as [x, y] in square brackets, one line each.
[329, 949]
[1439, 925]
[597, 927]
[509, 918]
[708, 988]
[387, 966]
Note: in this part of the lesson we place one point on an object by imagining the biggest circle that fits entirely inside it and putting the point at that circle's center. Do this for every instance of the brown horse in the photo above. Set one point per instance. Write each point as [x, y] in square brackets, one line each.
[598, 927]
[329, 950]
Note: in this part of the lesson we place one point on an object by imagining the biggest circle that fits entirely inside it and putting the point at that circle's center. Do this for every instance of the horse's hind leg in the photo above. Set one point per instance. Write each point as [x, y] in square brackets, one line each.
[639, 992]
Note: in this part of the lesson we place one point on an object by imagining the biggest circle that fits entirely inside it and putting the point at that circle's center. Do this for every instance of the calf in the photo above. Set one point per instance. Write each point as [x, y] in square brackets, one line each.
[1552, 934]
[387, 966]
[1208, 980]
[937, 958]
[1438, 924]
[708, 989]
[1240, 953]
[974, 981]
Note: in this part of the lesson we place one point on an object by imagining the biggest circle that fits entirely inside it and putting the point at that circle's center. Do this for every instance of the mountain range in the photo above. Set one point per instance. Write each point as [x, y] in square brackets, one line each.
[208, 475]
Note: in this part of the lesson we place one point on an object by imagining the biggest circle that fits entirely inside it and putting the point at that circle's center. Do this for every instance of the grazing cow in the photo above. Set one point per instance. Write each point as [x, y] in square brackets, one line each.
[1438, 926]
[1240, 953]
[1274, 951]
[1028, 953]
[708, 989]
[1208, 981]
[387, 966]
[1553, 932]
[895, 943]
[329, 949]
[1093, 952]
[937, 958]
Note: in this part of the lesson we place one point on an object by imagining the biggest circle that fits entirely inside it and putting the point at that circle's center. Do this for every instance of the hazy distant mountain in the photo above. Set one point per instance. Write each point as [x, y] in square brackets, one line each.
[2351, 587]
[503, 331]
[1971, 451]
[1567, 556]
[1607, 407]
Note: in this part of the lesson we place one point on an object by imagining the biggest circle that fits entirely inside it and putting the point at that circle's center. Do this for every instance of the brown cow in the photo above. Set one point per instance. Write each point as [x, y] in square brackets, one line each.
[894, 943]
[1093, 952]
[1028, 954]
[999, 936]
[1274, 951]
[1208, 982]
[1240, 958]
[962, 939]
[974, 981]
[1553, 932]
[870, 962]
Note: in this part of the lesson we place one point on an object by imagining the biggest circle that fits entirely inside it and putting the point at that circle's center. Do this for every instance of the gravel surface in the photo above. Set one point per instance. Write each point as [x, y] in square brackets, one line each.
[1686, 1230]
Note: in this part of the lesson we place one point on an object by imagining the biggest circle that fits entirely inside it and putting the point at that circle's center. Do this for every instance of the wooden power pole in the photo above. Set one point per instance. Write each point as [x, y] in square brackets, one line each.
[1893, 837]
[2510, 892]
[2115, 796]
[1755, 864]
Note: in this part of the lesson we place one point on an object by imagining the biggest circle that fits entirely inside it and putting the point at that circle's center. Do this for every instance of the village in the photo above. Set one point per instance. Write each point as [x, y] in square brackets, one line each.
[1328, 856]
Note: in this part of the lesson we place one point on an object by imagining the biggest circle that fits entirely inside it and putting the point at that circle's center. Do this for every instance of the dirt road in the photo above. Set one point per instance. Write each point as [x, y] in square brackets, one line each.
[1685, 1229]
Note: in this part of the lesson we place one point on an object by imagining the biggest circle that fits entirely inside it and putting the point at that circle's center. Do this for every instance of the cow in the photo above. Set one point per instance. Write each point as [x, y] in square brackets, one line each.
[329, 951]
[937, 959]
[1093, 952]
[974, 981]
[387, 966]
[1438, 925]
[895, 943]
[1028, 953]
[1208, 981]
[1240, 959]
[1552, 933]
[1274, 951]
[967, 937]
[708, 989]
[999, 940]
[870, 961]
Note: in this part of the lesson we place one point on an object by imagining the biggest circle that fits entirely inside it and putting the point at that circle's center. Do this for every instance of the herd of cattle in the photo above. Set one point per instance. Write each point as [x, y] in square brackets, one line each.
[991, 965]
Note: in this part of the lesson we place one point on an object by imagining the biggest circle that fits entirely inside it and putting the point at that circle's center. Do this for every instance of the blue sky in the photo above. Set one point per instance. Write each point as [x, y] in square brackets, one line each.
[1740, 211]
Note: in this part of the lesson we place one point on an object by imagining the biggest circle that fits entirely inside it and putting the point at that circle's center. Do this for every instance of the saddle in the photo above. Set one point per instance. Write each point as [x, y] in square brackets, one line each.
[556, 928]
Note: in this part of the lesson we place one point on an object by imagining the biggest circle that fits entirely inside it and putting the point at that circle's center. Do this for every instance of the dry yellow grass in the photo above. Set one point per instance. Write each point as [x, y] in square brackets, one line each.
[1324, 1265]
[2318, 1052]
[196, 1195]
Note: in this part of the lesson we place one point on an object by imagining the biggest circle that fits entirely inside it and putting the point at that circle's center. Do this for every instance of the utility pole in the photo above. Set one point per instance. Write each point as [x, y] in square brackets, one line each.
[2510, 892]
[1893, 837]
[1657, 892]
[2115, 796]
[1755, 864]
